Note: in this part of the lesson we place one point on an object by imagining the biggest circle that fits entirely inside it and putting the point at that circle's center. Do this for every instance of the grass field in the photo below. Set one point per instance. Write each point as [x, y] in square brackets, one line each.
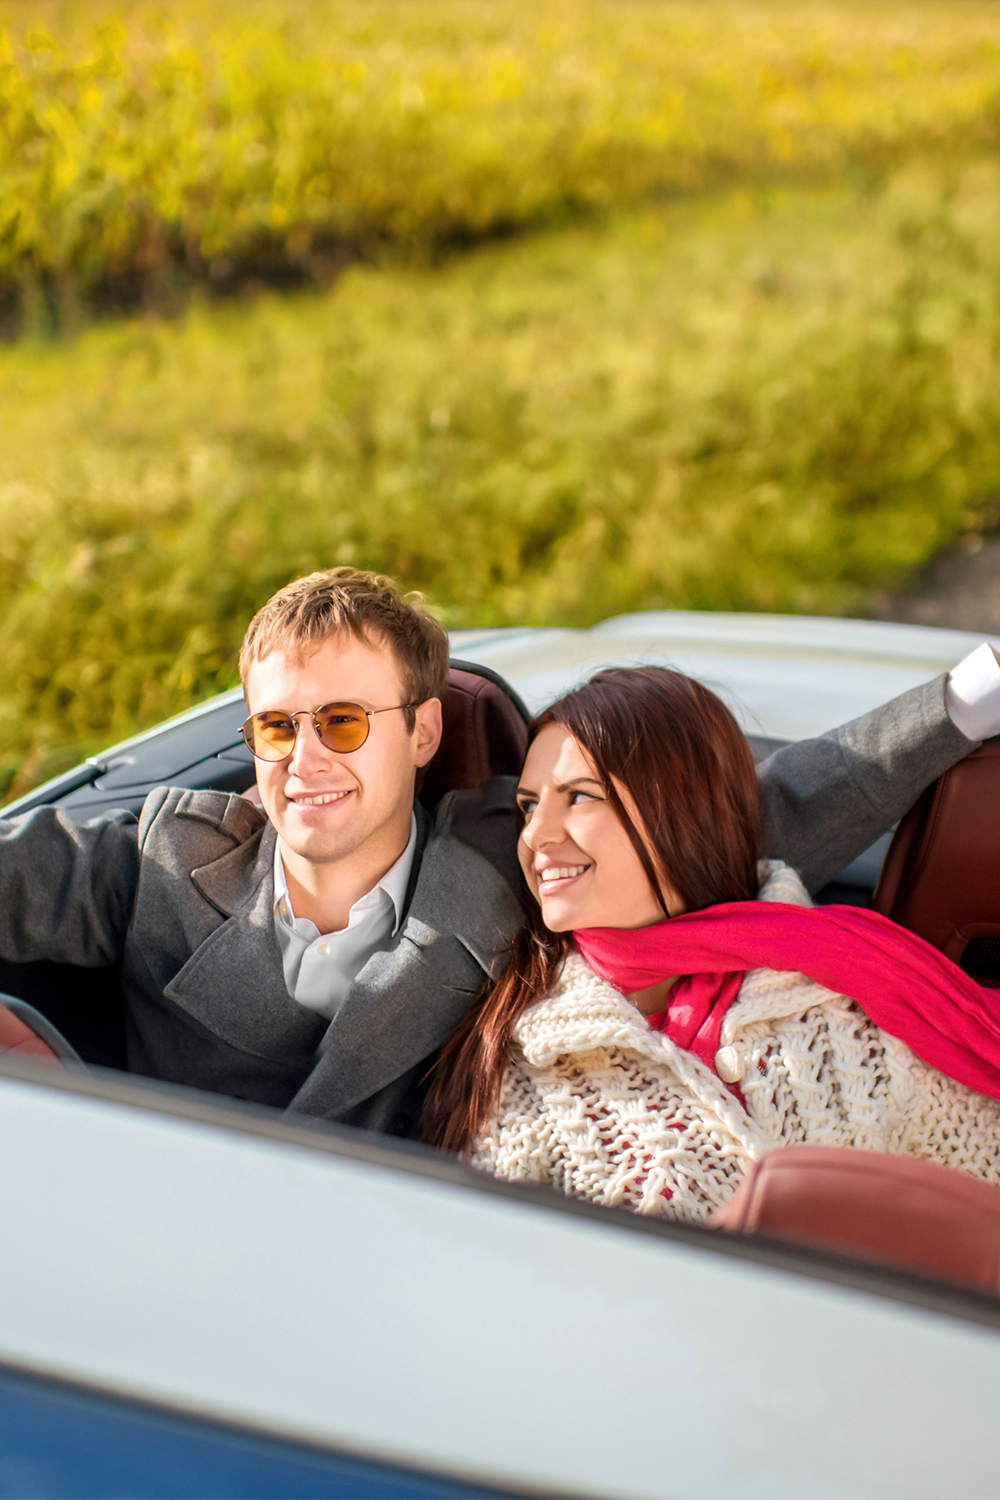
[748, 355]
[147, 149]
[777, 401]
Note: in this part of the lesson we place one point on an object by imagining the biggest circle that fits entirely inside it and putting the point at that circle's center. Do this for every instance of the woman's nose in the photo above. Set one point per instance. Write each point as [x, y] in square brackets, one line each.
[542, 829]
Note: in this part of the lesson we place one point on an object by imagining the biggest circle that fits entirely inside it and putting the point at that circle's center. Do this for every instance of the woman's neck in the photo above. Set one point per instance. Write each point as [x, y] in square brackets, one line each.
[654, 997]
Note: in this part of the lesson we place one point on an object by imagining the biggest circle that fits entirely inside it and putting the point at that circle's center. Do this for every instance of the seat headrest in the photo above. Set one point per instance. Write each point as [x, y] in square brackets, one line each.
[485, 734]
[941, 876]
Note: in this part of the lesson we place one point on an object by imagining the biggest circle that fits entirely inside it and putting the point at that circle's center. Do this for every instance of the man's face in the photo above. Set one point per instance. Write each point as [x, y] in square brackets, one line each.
[327, 806]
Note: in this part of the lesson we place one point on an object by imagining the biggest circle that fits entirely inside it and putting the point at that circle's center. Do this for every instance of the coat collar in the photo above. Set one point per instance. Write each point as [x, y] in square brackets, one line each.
[232, 880]
[581, 1013]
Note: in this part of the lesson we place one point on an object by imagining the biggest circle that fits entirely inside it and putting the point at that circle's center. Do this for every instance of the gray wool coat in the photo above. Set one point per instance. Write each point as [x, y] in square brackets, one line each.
[182, 901]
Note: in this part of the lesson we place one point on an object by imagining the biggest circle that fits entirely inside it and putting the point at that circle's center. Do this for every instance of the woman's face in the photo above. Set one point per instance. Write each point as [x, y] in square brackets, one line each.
[576, 856]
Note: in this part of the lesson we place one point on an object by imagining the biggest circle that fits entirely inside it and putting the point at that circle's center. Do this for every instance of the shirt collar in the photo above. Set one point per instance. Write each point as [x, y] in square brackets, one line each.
[394, 882]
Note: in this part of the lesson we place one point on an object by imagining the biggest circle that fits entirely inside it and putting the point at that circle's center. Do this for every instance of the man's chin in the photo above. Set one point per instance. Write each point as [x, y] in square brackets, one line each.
[319, 845]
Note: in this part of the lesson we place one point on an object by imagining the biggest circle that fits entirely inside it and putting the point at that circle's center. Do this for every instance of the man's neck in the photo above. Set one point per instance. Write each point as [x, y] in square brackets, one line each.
[324, 893]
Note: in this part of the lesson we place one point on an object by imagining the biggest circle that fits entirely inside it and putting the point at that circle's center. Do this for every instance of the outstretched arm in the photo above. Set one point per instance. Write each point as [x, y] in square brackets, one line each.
[825, 800]
[66, 888]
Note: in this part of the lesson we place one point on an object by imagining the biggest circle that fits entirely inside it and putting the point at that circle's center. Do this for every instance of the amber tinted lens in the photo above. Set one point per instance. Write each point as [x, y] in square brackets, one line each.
[270, 736]
[342, 726]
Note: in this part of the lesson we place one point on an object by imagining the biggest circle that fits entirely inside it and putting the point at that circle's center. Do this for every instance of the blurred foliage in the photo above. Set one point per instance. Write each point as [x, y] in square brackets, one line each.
[145, 149]
[784, 400]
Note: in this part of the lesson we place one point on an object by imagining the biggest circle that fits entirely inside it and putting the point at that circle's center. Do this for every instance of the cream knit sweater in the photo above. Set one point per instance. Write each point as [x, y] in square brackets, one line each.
[597, 1104]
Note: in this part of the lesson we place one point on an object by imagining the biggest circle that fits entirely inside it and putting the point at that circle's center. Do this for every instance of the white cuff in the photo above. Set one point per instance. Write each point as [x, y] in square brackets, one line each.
[972, 694]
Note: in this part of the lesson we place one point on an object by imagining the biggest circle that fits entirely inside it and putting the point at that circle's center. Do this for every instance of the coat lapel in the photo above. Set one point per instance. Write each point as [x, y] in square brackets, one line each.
[409, 996]
[233, 984]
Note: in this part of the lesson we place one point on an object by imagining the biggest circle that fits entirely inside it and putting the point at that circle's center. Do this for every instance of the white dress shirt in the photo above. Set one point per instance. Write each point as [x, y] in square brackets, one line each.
[321, 967]
[972, 694]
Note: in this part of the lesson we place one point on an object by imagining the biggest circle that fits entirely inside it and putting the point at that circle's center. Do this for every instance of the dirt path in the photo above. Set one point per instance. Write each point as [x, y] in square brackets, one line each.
[960, 590]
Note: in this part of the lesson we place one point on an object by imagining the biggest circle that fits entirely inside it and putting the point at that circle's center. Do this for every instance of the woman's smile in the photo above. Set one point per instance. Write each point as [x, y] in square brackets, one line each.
[554, 878]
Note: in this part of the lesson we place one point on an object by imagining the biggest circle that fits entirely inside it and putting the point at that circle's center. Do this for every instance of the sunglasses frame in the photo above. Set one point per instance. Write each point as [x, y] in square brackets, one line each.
[313, 714]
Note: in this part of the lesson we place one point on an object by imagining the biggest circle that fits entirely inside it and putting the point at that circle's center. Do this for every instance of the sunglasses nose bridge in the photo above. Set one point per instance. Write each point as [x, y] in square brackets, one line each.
[302, 740]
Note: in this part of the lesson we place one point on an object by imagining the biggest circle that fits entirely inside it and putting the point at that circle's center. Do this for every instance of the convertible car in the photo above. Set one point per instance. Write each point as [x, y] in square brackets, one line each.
[201, 1298]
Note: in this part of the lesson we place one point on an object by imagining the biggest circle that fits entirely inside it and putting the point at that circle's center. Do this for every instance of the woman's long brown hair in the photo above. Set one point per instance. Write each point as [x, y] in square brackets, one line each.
[686, 765]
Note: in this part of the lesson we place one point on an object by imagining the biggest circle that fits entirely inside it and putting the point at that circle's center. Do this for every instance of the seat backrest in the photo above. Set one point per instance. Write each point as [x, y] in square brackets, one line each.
[485, 734]
[941, 876]
[908, 1213]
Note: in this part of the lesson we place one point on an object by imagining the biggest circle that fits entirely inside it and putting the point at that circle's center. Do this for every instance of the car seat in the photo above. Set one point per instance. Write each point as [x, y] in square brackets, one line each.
[485, 733]
[868, 1204]
[941, 876]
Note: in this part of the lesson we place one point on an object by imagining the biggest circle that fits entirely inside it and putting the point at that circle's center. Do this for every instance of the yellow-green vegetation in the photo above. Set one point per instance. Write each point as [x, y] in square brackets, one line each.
[777, 399]
[747, 357]
[144, 149]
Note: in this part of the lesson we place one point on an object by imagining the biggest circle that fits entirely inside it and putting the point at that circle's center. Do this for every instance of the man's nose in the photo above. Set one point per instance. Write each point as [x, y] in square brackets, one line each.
[310, 753]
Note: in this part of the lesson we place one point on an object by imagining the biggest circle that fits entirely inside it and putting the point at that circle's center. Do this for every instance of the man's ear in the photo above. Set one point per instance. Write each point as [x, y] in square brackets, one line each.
[427, 729]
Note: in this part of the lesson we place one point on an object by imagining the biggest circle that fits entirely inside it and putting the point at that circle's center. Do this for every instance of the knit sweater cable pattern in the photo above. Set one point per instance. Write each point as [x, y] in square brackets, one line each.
[596, 1104]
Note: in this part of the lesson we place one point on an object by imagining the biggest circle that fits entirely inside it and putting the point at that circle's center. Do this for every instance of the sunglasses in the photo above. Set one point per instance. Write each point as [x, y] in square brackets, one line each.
[343, 727]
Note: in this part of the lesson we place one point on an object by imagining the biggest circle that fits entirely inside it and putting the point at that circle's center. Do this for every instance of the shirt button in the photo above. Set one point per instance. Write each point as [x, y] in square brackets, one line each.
[283, 908]
[729, 1065]
[322, 949]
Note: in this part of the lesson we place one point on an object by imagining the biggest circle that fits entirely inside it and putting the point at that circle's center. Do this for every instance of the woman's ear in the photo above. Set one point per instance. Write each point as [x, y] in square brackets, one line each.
[427, 730]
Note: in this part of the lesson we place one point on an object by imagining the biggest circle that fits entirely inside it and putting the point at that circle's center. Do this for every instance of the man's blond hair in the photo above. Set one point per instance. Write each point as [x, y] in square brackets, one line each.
[299, 618]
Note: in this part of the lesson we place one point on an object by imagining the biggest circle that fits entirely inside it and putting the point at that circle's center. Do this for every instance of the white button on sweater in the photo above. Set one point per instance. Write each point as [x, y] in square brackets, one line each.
[600, 1106]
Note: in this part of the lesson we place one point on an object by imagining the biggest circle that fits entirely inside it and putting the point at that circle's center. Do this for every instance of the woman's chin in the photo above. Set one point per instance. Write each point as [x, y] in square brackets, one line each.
[566, 916]
[559, 916]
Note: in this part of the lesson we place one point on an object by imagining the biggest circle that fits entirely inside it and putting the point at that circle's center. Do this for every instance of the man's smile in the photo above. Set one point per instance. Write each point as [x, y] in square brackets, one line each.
[316, 799]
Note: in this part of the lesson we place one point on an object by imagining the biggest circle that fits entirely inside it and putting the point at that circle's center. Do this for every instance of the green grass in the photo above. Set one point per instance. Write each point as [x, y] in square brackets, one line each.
[778, 399]
[146, 149]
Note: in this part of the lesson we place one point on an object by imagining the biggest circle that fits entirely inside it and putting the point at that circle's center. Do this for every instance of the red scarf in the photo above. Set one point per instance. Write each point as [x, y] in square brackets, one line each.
[904, 985]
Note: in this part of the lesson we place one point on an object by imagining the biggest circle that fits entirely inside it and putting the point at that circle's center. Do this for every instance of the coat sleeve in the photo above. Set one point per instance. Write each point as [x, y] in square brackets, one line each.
[67, 888]
[825, 800]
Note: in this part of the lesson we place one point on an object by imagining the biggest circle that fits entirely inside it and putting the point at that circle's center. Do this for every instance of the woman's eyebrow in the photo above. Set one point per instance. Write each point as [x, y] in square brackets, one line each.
[563, 786]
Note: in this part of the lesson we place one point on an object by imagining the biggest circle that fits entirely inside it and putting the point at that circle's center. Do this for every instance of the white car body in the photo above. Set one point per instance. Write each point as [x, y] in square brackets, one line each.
[351, 1296]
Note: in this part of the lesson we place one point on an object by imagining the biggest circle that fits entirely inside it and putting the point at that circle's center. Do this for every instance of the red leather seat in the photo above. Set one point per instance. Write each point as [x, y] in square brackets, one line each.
[17, 1036]
[485, 734]
[941, 876]
[894, 1209]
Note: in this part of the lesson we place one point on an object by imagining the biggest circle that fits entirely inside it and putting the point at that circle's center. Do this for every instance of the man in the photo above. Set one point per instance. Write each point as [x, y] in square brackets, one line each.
[314, 955]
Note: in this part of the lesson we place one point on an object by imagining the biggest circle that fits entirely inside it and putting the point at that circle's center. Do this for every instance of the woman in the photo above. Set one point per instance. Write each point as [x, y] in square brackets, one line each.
[657, 1029]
